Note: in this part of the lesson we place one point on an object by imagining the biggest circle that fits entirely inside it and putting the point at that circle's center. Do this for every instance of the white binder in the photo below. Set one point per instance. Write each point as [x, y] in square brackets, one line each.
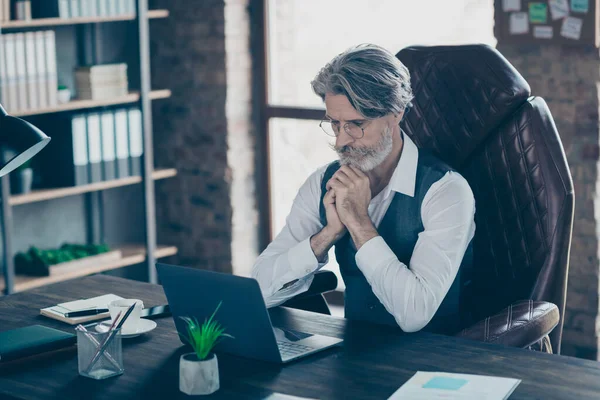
[108, 146]
[32, 77]
[42, 71]
[21, 75]
[52, 82]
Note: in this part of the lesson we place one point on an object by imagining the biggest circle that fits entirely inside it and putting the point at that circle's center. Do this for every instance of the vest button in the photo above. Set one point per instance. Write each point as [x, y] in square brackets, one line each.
[371, 307]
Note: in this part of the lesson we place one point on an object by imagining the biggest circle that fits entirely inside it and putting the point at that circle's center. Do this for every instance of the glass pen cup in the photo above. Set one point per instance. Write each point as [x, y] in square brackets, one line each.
[109, 362]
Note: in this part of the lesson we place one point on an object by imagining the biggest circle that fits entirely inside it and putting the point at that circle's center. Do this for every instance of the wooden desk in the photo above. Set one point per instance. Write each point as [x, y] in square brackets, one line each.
[373, 363]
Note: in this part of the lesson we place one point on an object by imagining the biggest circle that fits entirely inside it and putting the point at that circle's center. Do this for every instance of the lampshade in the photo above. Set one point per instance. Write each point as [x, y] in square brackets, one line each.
[20, 137]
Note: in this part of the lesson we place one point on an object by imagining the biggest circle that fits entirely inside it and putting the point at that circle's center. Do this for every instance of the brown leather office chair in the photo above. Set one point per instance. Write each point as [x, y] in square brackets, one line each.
[474, 110]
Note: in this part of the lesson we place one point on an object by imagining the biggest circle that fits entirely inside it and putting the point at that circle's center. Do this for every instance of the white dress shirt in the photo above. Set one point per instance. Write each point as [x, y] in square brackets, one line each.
[413, 293]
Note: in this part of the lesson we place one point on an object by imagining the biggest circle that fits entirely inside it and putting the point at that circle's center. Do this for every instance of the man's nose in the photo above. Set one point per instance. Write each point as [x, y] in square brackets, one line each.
[343, 139]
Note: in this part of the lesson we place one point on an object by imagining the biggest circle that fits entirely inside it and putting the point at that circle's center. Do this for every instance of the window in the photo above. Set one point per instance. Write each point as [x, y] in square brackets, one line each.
[303, 35]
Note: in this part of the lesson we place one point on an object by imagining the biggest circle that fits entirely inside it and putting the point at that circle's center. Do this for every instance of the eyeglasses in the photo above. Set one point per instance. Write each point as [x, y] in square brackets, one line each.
[332, 128]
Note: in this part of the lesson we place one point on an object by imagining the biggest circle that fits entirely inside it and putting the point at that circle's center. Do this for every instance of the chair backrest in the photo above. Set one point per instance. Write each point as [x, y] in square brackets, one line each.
[473, 109]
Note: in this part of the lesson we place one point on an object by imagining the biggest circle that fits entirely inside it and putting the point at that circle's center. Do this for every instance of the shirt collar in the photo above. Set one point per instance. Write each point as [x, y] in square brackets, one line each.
[404, 177]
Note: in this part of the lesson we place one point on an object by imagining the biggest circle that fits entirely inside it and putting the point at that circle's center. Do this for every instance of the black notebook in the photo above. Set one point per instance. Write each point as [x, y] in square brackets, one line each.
[32, 340]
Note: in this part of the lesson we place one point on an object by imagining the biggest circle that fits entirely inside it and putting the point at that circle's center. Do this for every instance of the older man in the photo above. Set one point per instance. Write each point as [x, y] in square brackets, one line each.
[401, 220]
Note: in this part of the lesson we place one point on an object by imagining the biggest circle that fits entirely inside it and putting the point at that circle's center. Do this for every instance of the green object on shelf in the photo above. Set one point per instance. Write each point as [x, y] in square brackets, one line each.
[37, 262]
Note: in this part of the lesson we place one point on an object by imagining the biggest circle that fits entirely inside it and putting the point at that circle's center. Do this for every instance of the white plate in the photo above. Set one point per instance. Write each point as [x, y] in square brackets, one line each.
[144, 326]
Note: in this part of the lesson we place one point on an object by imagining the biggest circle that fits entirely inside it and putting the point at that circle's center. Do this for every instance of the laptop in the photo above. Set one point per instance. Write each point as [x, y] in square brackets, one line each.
[243, 314]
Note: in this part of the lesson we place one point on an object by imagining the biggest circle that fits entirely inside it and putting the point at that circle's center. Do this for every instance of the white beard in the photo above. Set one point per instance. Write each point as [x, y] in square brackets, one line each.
[367, 158]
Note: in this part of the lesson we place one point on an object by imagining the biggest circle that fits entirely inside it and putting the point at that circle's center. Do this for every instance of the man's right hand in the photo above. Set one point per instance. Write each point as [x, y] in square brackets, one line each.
[331, 233]
[334, 225]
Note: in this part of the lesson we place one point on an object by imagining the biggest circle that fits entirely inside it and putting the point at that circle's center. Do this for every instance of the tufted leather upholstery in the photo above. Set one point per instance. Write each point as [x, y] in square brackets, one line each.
[521, 324]
[472, 109]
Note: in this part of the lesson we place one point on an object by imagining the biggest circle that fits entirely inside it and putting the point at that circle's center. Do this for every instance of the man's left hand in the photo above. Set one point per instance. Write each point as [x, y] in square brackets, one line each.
[352, 195]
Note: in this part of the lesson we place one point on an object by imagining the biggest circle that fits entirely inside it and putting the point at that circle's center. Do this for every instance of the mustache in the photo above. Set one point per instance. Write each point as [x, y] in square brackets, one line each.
[350, 151]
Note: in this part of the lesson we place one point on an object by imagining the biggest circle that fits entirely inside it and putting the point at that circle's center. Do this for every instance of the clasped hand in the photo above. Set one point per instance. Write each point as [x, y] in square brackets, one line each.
[347, 199]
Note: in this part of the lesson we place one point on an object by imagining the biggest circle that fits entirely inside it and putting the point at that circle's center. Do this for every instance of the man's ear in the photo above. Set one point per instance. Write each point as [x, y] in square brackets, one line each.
[398, 117]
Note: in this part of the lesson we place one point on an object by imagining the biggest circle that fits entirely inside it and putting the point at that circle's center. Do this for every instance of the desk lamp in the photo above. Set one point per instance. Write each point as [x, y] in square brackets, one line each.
[21, 137]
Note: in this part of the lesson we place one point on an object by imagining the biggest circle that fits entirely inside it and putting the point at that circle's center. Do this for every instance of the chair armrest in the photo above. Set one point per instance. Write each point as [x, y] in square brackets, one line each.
[323, 282]
[519, 325]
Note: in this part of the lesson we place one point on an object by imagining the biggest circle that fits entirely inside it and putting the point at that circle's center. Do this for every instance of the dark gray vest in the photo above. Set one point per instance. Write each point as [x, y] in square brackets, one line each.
[399, 228]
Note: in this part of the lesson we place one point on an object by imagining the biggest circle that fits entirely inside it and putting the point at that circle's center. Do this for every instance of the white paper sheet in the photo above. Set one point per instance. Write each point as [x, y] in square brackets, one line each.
[511, 5]
[447, 386]
[559, 9]
[543, 32]
[519, 23]
[571, 28]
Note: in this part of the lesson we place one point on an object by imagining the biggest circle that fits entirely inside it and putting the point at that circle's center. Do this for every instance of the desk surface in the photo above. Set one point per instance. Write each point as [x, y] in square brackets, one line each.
[373, 363]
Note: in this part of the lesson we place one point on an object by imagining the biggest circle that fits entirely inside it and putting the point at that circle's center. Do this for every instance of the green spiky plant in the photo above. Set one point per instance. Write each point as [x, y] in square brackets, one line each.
[203, 338]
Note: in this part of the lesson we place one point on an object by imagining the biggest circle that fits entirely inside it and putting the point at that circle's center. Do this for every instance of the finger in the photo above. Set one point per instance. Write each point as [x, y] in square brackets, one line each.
[343, 177]
[334, 183]
[329, 197]
[357, 171]
[350, 172]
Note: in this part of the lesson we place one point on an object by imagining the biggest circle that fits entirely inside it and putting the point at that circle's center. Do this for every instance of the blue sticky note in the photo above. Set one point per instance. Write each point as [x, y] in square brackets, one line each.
[581, 6]
[445, 383]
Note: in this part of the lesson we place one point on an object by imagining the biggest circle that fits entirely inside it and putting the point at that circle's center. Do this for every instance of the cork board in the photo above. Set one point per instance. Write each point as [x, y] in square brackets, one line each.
[567, 22]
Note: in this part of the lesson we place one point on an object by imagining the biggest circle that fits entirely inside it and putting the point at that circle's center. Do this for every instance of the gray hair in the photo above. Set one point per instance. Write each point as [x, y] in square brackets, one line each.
[375, 82]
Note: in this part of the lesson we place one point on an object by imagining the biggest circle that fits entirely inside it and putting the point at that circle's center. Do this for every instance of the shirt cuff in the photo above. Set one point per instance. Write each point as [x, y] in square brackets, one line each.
[373, 254]
[302, 261]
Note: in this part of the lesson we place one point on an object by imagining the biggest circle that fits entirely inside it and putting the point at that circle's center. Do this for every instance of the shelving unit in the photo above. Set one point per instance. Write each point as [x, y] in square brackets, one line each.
[42, 195]
[131, 255]
[49, 22]
[88, 52]
[132, 97]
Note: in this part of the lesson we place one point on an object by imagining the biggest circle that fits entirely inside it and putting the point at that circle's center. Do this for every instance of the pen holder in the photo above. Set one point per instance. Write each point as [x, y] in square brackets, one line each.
[110, 362]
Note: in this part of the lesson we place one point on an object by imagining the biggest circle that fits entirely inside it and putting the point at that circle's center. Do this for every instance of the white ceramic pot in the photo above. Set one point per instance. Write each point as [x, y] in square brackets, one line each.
[64, 96]
[198, 377]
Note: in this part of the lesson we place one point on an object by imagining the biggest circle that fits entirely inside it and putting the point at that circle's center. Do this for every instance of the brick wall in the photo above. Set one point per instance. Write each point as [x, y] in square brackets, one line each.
[192, 130]
[567, 78]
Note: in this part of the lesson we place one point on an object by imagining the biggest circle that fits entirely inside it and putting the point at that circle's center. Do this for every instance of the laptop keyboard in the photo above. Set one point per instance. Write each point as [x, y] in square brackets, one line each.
[288, 349]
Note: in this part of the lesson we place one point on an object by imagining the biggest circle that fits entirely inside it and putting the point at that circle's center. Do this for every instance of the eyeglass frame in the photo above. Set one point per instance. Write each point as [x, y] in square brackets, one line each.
[408, 107]
[362, 128]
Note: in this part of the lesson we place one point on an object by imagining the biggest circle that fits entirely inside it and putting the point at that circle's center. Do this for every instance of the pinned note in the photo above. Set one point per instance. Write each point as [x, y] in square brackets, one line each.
[538, 13]
[559, 9]
[511, 5]
[543, 32]
[518, 23]
[571, 28]
[580, 6]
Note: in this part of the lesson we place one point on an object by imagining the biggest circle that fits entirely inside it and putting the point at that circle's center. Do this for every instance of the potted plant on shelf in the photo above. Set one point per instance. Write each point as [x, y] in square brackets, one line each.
[64, 94]
[199, 370]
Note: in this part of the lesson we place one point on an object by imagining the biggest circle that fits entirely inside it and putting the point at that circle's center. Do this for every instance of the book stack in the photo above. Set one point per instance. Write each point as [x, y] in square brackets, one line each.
[95, 146]
[28, 77]
[82, 8]
[98, 82]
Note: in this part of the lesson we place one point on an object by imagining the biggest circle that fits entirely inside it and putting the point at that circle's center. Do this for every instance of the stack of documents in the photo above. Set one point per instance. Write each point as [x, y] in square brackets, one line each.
[441, 385]
[98, 82]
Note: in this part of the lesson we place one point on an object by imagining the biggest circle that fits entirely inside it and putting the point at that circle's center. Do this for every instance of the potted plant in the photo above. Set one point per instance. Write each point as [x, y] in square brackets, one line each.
[64, 94]
[199, 370]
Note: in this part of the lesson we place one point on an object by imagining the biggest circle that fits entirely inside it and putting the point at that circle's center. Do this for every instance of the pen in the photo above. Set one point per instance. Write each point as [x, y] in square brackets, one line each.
[82, 313]
[111, 334]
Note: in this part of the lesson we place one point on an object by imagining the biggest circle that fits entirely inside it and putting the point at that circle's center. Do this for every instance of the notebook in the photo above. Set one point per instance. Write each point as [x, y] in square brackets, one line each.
[447, 386]
[57, 312]
[30, 340]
